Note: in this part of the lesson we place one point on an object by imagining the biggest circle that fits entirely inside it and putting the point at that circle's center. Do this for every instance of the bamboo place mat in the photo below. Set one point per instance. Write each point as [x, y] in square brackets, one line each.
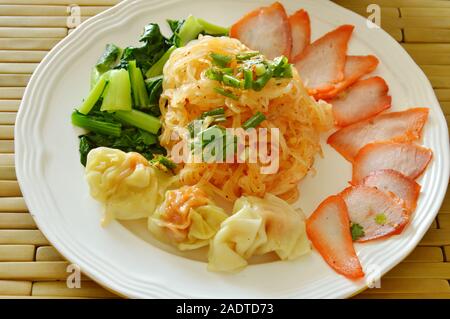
[30, 267]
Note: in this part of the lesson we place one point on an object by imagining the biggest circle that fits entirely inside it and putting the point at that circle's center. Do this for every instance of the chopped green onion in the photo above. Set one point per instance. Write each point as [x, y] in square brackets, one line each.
[95, 125]
[140, 120]
[226, 93]
[214, 74]
[231, 81]
[93, 96]
[246, 55]
[254, 121]
[221, 59]
[215, 112]
[248, 79]
[227, 71]
[260, 69]
[260, 82]
[162, 160]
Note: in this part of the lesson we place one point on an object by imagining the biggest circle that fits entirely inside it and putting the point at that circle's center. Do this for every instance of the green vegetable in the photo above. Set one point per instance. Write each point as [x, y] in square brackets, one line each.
[226, 93]
[248, 79]
[155, 45]
[130, 140]
[162, 160]
[227, 71]
[212, 29]
[221, 59]
[357, 231]
[281, 67]
[154, 88]
[157, 68]
[231, 81]
[214, 74]
[261, 81]
[260, 69]
[246, 55]
[140, 95]
[96, 125]
[189, 31]
[139, 119]
[117, 95]
[93, 96]
[108, 60]
[95, 75]
[380, 219]
[254, 121]
[216, 112]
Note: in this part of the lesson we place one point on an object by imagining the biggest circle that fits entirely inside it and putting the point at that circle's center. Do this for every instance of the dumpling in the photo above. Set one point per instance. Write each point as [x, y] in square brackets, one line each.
[258, 226]
[187, 218]
[126, 183]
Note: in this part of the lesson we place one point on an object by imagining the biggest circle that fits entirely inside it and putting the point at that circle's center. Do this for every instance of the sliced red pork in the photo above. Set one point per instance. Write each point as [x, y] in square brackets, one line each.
[402, 126]
[329, 230]
[266, 30]
[379, 214]
[301, 32]
[407, 158]
[362, 100]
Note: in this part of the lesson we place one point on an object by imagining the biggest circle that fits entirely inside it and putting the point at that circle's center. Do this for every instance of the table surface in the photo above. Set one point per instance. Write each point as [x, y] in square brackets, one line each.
[31, 268]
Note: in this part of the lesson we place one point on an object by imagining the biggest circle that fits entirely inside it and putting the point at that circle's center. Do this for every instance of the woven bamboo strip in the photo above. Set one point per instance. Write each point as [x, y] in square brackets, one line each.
[426, 35]
[38, 270]
[14, 80]
[425, 22]
[6, 132]
[440, 82]
[446, 202]
[436, 237]
[21, 236]
[27, 43]
[15, 288]
[443, 94]
[396, 33]
[88, 289]
[6, 147]
[447, 253]
[425, 254]
[11, 93]
[90, 11]
[33, 21]
[21, 56]
[444, 221]
[9, 188]
[16, 252]
[17, 68]
[16, 221]
[436, 70]
[48, 253]
[425, 12]
[433, 53]
[445, 107]
[6, 159]
[420, 270]
[400, 285]
[395, 3]
[427, 295]
[33, 10]
[7, 172]
[12, 204]
[7, 118]
[21, 32]
[9, 105]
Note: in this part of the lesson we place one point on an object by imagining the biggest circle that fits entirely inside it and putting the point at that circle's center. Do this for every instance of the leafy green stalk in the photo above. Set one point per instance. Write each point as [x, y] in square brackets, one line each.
[226, 93]
[108, 59]
[154, 89]
[212, 29]
[118, 92]
[139, 119]
[190, 30]
[157, 68]
[221, 60]
[95, 125]
[140, 95]
[93, 96]
[164, 161]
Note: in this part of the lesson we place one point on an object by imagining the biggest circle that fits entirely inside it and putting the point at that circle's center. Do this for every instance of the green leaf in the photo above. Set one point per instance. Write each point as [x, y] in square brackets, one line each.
[357, 231]
[108, 59]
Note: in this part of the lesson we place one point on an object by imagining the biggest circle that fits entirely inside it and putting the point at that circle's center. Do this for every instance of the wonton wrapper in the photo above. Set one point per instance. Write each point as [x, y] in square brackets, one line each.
[128, 186]
[258, 226]
[190, 229]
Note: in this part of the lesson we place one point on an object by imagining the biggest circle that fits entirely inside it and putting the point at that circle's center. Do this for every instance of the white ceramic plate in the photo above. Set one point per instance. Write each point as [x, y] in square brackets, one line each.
[124, 257]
